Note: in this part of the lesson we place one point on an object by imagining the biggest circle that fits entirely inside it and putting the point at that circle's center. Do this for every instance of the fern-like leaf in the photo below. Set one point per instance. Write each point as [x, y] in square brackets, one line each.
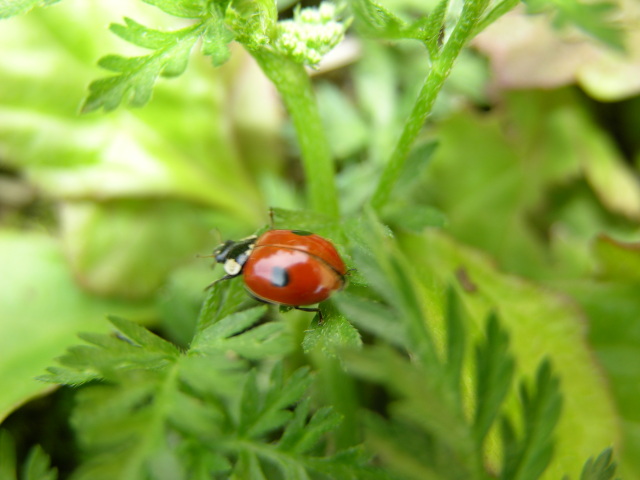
[602, 468]
[37, 465]
[526, 458]
[136, 76]
[9, 8]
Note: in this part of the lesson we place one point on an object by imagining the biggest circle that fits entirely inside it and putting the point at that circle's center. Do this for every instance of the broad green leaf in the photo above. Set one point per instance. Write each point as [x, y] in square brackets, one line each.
[41, 311]
[617, 260]
[540, 324]
[552, 143]
[175, 147]
[613, 312]
[108, 259]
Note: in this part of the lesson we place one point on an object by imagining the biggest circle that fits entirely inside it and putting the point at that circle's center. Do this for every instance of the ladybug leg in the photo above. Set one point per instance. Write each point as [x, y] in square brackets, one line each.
[226, 277]
[309, 309]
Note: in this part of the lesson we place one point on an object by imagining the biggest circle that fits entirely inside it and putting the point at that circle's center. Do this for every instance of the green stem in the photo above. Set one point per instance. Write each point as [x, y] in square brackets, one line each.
[294, 85]
[440, 69]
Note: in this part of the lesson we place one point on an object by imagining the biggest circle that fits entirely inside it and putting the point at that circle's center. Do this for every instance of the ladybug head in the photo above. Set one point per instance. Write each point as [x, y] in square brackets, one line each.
[233, 255]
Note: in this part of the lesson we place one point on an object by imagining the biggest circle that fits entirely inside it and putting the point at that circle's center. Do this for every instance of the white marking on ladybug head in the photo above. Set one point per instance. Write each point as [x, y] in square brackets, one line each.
[231, 267]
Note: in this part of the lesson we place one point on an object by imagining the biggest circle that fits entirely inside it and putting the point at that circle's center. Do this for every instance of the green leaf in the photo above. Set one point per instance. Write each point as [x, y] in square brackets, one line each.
[335, 332]
[41, 311]
[613, 315]
[373, 317]
[9, 8]
[602, 468]
[494, 375]
[111, 356]
[181, 8]
[215, 40]
[109, 261]
[322, 421]
[540, 324]
[8, 456]
[617, 260]
[261, 414]
[224, 299]
[134, 85]
[138, 34]
[252, 21]
[415, 218]
[540, 411]
[456, 342]
[248, 466]
[310, 221]
[259, 342]
[594, 18]
[143, 337]
[37, 466]
[376, 20]
[229, 326]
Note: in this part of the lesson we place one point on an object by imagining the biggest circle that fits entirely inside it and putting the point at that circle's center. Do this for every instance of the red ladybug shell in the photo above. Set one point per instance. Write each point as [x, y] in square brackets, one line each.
[292, 267]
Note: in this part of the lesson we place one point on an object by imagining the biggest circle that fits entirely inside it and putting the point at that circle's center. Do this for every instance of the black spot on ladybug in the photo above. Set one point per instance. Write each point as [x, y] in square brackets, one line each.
[302, 233]
[279, 277]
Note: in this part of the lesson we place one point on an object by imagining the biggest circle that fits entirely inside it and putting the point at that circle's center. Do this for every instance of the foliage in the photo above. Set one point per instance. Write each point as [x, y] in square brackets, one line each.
[476, 246]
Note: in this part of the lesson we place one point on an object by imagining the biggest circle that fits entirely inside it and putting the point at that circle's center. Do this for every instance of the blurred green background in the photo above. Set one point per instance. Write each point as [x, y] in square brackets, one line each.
[530, 160]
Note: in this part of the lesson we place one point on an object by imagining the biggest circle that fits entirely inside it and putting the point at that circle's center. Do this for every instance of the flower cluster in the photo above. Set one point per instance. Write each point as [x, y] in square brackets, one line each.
[311, 34]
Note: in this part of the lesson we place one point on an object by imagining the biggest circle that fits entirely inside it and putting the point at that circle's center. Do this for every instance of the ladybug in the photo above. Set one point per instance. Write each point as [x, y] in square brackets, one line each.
[284, 267]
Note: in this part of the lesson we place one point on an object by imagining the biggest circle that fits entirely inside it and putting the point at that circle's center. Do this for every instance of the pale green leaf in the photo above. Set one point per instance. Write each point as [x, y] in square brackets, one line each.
[41, 311]
[109, 260]
[540, 324]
